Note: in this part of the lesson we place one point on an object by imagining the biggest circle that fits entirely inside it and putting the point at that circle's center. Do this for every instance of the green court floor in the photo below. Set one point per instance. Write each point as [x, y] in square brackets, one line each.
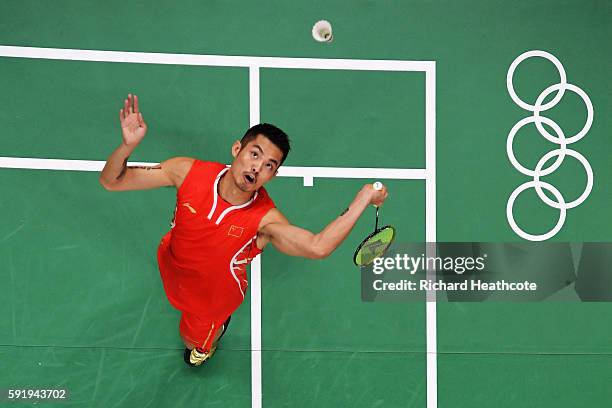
[83, 306]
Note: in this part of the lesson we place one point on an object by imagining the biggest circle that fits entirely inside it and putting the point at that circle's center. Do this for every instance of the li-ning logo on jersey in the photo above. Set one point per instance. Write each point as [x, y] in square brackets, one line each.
[186, 205]
[193, 211]
[235, 231]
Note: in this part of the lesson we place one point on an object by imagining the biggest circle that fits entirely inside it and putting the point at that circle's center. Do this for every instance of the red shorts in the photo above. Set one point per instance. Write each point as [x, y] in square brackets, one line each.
[203, 314]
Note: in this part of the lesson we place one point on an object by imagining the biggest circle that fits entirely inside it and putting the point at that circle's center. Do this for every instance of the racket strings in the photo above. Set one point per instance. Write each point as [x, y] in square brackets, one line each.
[374, 246]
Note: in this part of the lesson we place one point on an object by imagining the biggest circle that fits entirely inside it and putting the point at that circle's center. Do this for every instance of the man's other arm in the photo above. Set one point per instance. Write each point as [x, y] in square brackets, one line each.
[296, 241]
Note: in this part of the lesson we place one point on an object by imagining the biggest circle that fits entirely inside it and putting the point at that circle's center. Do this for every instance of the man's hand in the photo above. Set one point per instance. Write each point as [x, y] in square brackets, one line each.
[133, 126]
[374, 197]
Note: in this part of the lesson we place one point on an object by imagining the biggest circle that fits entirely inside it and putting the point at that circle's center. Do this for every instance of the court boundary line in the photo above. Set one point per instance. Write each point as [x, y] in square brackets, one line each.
[306, 172]
[71, 54]
[254, 64]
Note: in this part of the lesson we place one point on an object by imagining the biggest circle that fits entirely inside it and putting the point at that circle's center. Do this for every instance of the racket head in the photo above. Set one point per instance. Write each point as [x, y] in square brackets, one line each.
[374, 246]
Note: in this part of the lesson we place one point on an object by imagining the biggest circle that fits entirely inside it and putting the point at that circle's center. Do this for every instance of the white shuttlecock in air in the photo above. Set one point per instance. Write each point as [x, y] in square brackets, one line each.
[322, 31]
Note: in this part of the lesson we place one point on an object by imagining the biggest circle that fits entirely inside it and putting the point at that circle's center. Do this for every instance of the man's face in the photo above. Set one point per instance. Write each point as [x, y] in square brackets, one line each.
[255, 164]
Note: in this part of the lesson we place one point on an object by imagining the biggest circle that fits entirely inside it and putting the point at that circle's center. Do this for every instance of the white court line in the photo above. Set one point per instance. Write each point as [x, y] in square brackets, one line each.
[430, 235]
[255, 278]
[256, 349]
[354, 172]
[308, 173]
[283, 171]
[213, 60]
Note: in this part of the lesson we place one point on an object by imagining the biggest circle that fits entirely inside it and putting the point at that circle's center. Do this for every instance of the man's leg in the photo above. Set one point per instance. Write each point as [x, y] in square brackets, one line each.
[195, 333]
[189, 343]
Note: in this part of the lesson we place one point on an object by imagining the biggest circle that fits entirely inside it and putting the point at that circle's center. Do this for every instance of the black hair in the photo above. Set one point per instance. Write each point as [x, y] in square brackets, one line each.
[272, 133]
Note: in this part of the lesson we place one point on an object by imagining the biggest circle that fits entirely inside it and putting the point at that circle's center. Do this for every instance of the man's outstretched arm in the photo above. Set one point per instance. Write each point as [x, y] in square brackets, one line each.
[118, 176]
[296, 241]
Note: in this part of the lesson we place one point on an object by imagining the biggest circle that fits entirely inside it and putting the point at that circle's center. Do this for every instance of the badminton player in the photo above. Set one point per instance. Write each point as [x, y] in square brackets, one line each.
[223, 218]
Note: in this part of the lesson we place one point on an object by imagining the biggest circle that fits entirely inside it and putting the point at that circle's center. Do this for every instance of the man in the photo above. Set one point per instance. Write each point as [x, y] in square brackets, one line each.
[222, 220]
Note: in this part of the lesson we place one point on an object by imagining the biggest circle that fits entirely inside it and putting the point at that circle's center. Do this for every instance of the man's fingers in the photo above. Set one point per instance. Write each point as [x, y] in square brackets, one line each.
[121, 115]
[136, 104]
[126, 110]
[130, 103]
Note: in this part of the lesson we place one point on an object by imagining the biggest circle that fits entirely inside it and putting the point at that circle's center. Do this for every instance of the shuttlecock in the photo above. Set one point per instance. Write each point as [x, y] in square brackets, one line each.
[322, 31]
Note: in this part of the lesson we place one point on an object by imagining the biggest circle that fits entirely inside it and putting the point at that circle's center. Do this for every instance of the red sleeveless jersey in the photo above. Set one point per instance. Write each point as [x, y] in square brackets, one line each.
[203, 258]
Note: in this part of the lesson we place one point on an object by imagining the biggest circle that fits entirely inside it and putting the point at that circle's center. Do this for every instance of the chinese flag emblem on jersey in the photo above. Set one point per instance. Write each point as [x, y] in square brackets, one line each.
[235, 231]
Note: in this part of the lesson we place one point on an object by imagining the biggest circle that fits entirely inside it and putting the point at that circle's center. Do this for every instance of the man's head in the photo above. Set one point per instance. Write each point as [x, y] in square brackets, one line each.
[258, 155]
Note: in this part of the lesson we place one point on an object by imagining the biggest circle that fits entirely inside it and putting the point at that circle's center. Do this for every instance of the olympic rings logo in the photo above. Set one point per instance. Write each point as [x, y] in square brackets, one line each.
[559, 138]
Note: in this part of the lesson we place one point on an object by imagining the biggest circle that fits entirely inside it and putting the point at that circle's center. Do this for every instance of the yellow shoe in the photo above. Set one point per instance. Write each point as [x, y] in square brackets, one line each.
[197, 357]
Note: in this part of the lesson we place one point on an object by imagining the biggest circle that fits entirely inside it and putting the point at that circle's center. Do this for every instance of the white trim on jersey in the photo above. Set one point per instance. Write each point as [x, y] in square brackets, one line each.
[234, 262]
[215, 184]
[215, 199]
[235, 207]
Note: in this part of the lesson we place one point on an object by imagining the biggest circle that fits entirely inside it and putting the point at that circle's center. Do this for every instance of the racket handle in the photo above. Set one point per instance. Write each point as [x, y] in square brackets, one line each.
[377, 186]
